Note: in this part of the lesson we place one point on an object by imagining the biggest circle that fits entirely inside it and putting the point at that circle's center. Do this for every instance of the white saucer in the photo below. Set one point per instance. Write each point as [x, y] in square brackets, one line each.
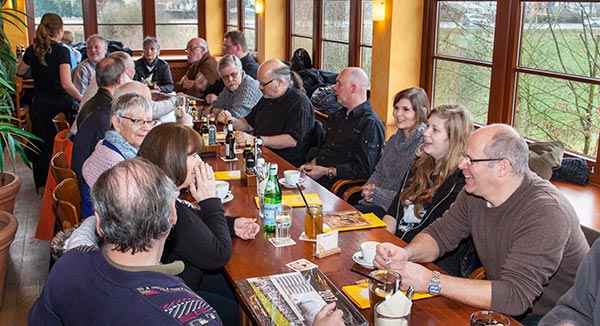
[227, 198]
[285, 184]
[358, 258]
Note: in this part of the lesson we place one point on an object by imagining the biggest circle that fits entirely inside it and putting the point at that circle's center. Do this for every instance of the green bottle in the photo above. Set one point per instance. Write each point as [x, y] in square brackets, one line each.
[273, 205]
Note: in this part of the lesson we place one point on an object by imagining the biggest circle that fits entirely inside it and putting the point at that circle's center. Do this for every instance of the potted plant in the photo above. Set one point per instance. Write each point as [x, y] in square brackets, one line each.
[12, 139]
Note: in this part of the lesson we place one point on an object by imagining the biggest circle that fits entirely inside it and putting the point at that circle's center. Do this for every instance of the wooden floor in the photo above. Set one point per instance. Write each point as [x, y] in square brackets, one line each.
[28, 264]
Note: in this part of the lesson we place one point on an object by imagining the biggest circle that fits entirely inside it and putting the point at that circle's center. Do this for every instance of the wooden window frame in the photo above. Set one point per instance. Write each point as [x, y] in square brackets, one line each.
[241, 19]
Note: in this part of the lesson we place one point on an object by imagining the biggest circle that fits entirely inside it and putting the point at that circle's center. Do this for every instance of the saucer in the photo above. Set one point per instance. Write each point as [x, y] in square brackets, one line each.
[287, 185]
[358, 258]
[227, 198]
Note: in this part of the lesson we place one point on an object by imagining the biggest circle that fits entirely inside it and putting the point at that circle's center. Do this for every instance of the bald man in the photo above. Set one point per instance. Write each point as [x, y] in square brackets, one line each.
[355, 134]
[526, 233]
[283, 118]
[201, 75]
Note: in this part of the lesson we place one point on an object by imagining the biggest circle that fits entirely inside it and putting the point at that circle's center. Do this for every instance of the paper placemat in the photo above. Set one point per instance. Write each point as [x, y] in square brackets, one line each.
[354, 222]
[228, 175]
[297, 201]
[359, 295]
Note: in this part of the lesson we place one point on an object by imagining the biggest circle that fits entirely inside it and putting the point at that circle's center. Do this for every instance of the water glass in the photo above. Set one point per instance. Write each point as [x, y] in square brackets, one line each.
[381, 284]
[387, 319]
[283, 223]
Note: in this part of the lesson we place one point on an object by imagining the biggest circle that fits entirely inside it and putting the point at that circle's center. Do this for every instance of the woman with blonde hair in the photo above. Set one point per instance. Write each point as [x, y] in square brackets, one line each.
[434, 181]
[50, 64]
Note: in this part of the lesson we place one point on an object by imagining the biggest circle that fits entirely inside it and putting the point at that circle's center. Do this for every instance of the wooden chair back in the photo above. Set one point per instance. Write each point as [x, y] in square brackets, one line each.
[21, 112]
[68, 203]
[60, 122]
[60, 168]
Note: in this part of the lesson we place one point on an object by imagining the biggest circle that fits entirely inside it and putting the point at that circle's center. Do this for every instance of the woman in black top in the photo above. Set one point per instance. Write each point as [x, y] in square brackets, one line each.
[50, 64]
[434, 181]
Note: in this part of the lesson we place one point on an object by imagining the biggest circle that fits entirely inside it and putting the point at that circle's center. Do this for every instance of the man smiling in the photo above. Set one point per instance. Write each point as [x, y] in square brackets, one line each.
[525, 231]
[86, 70]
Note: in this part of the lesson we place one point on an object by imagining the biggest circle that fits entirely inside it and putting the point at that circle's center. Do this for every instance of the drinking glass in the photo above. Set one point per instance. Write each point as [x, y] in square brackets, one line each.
[283, 224]
[489, 318]
[313, 221]
[381, 284]
[386, 319]
[260, 192]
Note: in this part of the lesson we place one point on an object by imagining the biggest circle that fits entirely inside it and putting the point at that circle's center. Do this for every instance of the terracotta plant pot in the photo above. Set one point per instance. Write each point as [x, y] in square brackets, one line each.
[8, 229]
[8, 191]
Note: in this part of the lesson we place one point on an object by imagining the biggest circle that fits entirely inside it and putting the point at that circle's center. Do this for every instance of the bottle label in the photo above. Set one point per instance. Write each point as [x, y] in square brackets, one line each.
[272, 210]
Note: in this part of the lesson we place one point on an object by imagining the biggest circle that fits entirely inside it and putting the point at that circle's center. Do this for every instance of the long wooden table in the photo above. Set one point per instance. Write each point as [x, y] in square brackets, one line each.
[259, 257]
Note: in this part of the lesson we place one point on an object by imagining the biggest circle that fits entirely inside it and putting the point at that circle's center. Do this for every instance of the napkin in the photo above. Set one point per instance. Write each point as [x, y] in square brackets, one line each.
[228, 175]
[359, 294]
[297, 201]
[397, 305]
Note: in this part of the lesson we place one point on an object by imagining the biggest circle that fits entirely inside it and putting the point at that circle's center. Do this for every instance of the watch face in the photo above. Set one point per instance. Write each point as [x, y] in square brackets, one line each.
[434, 288]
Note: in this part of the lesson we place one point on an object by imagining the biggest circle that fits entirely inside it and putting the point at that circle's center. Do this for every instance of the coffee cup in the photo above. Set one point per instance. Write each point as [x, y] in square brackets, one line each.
[369, 249]
[292, 177]
[221, 189]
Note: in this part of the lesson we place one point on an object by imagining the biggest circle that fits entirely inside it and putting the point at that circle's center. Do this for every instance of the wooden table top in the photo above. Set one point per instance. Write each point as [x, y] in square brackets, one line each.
[259, 257]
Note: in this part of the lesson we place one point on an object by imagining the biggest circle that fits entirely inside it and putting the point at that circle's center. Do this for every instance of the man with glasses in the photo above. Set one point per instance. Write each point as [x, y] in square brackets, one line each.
[201, 76]
[526, 233]
[283, 118]
[241, 91]
[235, 43]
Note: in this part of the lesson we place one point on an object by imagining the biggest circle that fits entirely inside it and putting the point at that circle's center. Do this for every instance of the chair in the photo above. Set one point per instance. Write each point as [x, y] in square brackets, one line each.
[60, 168]
[590, 234]
[68, 203]
[346, 188]
[60, 122]
[478, 274]
[21, 112]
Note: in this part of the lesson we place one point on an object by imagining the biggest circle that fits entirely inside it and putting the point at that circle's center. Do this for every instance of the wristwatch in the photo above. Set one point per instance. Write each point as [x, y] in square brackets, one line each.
[330, 175]
[435, 285]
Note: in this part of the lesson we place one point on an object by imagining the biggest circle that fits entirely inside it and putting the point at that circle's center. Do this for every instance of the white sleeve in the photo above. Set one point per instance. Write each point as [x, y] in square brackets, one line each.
[84, 235]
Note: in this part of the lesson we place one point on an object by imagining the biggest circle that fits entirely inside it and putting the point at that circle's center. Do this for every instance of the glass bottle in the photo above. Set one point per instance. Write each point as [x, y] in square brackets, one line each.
[204, 130]
[230, 142]
[248, 158]
[273, 203]
[212, 131]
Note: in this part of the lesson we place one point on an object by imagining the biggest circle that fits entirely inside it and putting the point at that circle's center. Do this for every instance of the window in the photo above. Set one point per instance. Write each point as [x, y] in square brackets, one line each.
[127, 21]
[340, 35]
[69, 10]
[538, 69]
[242, 20]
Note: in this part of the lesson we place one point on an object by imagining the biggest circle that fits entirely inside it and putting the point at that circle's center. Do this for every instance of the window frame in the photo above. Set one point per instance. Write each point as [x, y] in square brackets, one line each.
[90, 21]
[241, 21]
[505, 69]
[354, 38]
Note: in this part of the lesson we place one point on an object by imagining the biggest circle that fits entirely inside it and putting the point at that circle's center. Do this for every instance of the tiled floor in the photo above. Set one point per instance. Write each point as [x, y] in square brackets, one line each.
[28, 264]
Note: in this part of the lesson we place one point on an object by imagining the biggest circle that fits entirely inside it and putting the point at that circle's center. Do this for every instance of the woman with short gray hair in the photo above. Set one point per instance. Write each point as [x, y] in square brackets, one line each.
[151, 70]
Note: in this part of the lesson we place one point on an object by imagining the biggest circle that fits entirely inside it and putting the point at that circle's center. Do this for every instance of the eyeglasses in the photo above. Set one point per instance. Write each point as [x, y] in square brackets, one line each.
[232, 75]
[140, 122]
[191, 48]
[267, 83]
[470, 161]
[227, 46]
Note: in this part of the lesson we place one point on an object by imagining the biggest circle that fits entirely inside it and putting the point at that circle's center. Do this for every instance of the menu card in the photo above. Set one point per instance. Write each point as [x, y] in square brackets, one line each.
[294, 298]
[350, 220]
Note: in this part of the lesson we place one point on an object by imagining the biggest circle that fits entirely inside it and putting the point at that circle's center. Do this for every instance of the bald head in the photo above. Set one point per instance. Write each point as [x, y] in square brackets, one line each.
[127, 61]
[356, 76]
[134, 87]
[503, 141]
[351, 87]
[274, 78]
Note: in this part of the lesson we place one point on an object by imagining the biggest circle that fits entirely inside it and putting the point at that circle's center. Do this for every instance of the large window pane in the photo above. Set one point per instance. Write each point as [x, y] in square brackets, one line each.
[184, 33]
[466, 29]
[335, 56]
[69, 10]
[365, 60]
[250, 35]
[232, 16]
[469, 85]
[555, 109]
[303, 17]
[301, 42]
[249, 15]
[336, 20]
[561, 37]
[130, 35]
[367, 22]
[119, 12]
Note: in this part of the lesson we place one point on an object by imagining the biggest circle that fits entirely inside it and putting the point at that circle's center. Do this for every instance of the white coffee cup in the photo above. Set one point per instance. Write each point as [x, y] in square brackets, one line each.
[292, 177]
[221, 189]
[369, 249]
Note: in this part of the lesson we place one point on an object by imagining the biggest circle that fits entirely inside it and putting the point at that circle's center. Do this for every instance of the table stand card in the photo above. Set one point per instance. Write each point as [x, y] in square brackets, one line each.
[327, 244]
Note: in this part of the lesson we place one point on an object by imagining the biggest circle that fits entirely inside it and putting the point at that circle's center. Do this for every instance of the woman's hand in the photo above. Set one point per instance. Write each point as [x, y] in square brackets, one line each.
[203, 185]
[367, 192]
[246, 228]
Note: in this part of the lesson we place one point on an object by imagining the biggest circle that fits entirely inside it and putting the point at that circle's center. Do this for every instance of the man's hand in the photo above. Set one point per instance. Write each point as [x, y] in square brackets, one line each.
[210, 98]
[240, 139]
[200, 82]
[314, 171]
[245, 228]
[367, 192]
[224, 116]
[389, 256]
[329, 316]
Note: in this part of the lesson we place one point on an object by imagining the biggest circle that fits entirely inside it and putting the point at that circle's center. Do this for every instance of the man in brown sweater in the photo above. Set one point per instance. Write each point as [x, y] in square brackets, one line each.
[526, 233]
[202, 72]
